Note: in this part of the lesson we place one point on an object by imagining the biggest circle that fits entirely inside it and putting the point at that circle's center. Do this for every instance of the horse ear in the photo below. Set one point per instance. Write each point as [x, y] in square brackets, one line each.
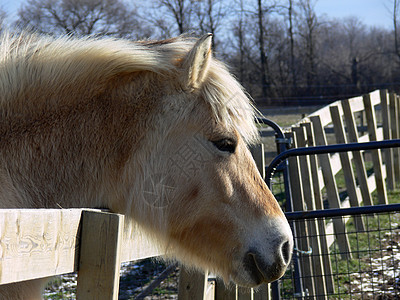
[196, 62]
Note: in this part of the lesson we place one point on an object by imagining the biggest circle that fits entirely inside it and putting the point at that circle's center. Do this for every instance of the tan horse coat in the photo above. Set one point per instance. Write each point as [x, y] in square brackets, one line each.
[157, 131]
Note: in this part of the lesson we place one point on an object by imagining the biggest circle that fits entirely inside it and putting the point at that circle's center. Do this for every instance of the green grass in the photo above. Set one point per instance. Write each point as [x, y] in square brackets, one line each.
[286, 120]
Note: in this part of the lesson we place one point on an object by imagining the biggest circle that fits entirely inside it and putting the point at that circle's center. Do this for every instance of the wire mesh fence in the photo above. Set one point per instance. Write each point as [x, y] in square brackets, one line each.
[370, 269]
[278, 187]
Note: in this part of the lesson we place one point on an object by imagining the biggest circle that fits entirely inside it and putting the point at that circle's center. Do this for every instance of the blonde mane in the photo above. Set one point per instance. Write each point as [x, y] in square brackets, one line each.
[148, 129]
[29, 61]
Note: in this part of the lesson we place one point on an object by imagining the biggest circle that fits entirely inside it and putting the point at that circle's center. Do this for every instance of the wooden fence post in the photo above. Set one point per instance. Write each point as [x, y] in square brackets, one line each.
[244, 293]
[193, 285]
[301, 228]
[386, 125]
[257, 151]
[262, 292]
[223, 292]
[357, 155]
[394, 129]
[346, 164]
[313, 238]
[330, 287]
[376, 154]
[331, 189]
[99, 260]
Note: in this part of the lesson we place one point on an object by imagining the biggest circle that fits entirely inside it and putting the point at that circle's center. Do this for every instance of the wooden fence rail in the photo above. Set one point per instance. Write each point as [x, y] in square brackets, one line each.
[91, 242]
[58, 241]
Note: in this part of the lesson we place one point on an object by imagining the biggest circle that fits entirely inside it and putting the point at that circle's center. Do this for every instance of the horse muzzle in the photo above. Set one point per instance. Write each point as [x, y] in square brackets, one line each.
[262, 270]
[266, 260]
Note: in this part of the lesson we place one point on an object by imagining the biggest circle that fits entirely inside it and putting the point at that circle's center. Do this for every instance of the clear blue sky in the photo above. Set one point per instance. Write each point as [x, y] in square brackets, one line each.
[370, 12]
[11, 6]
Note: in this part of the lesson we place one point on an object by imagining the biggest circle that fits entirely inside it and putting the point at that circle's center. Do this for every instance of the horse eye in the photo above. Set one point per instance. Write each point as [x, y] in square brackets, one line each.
[225, 145]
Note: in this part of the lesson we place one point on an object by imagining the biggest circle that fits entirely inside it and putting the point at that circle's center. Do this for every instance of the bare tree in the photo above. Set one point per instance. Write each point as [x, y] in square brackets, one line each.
[263, 59]
[307, 30]
[354, 31]
[263, 10]
[281, 49]
[81, 17]
[180, 11]
[291, 42]
[210, 15]
[239, 32]
[395, 13]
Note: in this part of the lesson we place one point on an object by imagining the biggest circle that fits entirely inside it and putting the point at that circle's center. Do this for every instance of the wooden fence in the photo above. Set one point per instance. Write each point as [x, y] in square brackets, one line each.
[314, 178]
[39, 243]
[58, 241]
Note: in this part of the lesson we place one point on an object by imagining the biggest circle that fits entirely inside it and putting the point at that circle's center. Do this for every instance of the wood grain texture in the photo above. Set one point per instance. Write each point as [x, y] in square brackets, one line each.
[100, 255]
[37, 243]
[369, 104]
[331, 188]
[192, 284]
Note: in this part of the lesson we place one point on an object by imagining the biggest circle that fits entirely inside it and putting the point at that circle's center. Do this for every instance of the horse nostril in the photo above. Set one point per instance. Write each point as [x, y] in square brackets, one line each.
[266, 268]
[286, 251]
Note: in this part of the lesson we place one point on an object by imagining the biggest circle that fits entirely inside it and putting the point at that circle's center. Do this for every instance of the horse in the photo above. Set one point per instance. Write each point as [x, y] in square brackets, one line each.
[156, 130]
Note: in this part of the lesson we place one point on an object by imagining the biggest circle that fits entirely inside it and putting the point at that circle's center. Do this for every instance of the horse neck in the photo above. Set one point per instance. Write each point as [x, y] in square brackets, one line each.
[72, 154]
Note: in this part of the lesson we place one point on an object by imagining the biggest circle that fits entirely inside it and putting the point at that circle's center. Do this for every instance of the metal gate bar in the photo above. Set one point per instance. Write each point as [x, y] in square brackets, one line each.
[337, 212]
[327, 149]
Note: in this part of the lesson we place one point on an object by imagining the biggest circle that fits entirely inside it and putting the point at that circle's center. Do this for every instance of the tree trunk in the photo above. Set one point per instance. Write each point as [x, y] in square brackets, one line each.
[291, 40]
[263, 66]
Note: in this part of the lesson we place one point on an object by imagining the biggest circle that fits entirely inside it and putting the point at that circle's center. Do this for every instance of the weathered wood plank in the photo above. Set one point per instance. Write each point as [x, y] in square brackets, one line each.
[298, 204]
[397, 129]
[137, 245]
[347, 168]
[262, 293]
[244, 293]
[387, 135]
[365, 138]
[375, 97]
[317, 271]
[46, 240]
[210, 290]
[192, 284]
[37, 243]
[356, 104]
[223, 292]
[257, 151]
[376, 154]
[331, 188]
[317, 181]
[295, 178]
[99, 258]
[394, 129]
[357, 155]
